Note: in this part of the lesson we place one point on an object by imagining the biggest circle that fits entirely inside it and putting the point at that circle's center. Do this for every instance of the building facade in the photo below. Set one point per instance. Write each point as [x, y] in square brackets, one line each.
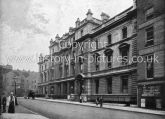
[93, 59]
[151, 46]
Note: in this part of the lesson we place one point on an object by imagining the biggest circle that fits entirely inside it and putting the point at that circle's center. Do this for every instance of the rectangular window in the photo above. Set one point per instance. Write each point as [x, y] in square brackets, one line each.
[60, 70]
[97, 86]
[109, 39]
[73, 69]
[149, 67]
[124, 32]
[97, 44]
[109, 59]
[149, 36]
[109, 85]
[149, 14]
[124, 84]
[124, 54]
[82, 33]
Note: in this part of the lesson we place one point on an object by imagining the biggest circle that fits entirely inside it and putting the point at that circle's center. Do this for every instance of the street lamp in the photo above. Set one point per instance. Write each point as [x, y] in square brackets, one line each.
[15, 84]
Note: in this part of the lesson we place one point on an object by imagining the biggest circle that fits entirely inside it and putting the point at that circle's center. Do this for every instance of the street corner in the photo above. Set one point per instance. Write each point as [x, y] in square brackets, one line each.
[21, 116]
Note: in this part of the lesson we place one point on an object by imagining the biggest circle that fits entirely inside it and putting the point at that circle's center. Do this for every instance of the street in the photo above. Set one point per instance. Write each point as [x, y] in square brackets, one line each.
[55, 110]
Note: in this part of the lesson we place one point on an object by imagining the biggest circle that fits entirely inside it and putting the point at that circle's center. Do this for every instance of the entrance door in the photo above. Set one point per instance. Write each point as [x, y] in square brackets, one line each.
[151, 103]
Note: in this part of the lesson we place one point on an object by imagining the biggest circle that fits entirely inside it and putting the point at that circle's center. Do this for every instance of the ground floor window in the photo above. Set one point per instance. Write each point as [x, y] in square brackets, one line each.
[109, 85]
[124, 84]
[97, 86]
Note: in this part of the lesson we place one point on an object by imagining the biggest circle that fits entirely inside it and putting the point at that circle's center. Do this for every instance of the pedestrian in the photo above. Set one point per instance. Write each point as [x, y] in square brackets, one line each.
[4, 103]
[80, 98]
[97, 100]
[11, 103]
[101, 101]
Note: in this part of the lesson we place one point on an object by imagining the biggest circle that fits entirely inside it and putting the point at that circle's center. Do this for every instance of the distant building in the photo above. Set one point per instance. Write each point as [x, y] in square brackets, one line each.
[23, 80]
[4, 69]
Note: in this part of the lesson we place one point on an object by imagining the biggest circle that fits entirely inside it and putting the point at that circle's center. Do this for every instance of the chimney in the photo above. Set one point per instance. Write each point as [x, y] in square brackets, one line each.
[77, 22]
[104, 17]
[40, 58]
[134, 3]
[70, 29]
[57, 37]
[89, 14]
[51, 41]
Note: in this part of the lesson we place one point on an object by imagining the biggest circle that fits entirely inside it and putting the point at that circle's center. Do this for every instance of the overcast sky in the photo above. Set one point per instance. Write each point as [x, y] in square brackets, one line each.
[26, 26]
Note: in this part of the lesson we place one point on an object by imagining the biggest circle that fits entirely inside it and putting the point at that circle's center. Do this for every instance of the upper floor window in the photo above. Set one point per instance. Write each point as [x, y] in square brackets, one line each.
[109, 54]
[96, 59]
[124, 84]
[97, 44]
[124, 32]
[124, 51]
[149, 36]
[82, 33]
[60, 69]
[73, 68]
[81, 60]
[109, 39]
[149, 14]
[149, 66]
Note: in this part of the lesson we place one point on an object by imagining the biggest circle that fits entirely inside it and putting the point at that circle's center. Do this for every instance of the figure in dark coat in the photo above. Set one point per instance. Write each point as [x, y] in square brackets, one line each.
[4, 103]
[11, 103]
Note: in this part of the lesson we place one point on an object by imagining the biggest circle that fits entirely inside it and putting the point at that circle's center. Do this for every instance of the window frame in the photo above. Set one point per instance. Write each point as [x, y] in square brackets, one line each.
[109, 40]
[123, 33]
[109, 79]
[146, 36]
[150, 15]
[122, 87]
[146, 67]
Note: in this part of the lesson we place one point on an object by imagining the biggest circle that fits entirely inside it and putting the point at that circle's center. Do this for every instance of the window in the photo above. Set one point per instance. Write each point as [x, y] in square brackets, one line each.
[97, 44]
[97, 86]
[149, 14]
[60, 69]
[109, 58]
[149, 67]
[109, 53]
[66, 69]
[124, 32]
[109, 39]
[96, 60]
[149, 36]
[73, 68]
[109, 85]
[124, 84]
[82, 33]
[81, 63]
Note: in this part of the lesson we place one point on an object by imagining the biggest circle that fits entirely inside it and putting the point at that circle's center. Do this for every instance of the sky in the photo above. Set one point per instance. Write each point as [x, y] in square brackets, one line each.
[26, 26]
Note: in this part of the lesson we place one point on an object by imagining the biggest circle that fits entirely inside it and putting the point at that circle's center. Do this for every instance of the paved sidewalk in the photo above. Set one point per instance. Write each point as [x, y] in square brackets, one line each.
[22, 116]
[109, 106]
[22, 113]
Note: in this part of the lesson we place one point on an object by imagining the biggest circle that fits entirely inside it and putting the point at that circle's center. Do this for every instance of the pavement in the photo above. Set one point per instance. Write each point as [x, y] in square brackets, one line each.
[22, 113]
[63, 109]
[132, 108]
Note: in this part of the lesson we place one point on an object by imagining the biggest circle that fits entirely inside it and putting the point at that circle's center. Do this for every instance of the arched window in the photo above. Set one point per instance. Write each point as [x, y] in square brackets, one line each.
[96, 57]
[124, 52]
[109, 55]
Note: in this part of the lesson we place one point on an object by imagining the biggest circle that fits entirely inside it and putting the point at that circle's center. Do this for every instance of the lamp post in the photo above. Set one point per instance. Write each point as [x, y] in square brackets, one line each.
[15, 85]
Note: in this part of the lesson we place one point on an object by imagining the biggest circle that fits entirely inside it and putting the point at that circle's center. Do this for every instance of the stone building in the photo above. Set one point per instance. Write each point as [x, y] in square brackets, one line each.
[151, 45]
[93, 59]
